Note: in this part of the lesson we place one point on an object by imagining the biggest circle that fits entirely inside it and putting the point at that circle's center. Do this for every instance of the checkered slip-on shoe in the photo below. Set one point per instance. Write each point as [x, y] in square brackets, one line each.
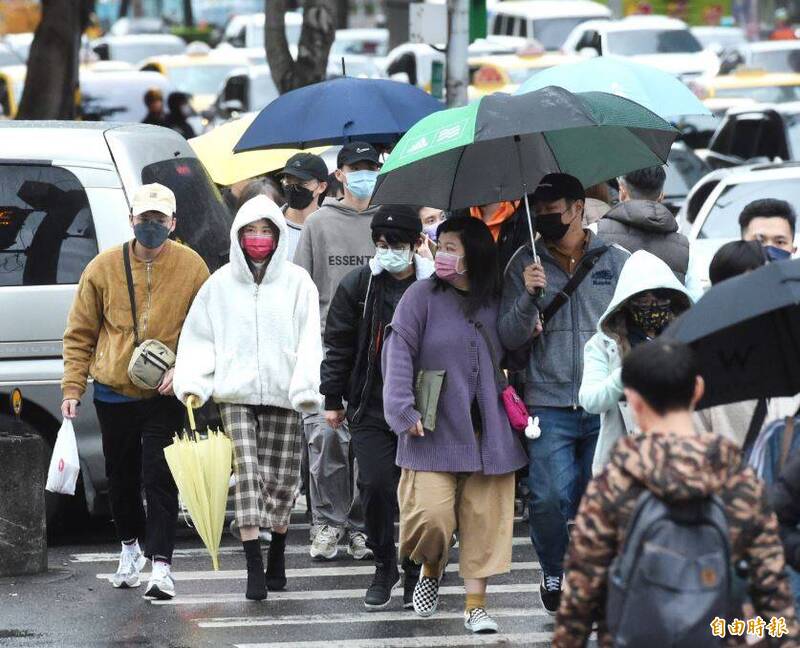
[479, 622]
[426, 596]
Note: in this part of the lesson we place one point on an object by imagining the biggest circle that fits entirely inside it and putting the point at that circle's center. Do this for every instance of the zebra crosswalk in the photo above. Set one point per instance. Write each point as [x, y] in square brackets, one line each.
[322, 606]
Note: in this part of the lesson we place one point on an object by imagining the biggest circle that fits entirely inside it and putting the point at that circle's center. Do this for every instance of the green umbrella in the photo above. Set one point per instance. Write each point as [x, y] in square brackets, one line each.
[497, 148]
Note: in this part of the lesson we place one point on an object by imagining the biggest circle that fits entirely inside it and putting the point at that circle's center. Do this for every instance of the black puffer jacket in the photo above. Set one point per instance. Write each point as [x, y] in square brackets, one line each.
[354, 333]
[785, 497]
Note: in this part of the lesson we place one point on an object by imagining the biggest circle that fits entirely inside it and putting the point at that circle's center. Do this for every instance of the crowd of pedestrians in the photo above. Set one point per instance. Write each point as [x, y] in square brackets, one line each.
[363, 354]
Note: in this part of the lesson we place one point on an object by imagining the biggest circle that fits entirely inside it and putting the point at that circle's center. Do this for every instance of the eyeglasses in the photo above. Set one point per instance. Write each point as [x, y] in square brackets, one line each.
[394, 248]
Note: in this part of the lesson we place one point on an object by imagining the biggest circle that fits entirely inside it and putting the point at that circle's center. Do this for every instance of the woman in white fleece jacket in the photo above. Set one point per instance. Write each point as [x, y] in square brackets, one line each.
[252, 342]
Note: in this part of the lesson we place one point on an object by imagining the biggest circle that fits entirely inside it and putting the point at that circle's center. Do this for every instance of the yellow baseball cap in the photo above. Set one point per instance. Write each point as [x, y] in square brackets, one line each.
[153, 197]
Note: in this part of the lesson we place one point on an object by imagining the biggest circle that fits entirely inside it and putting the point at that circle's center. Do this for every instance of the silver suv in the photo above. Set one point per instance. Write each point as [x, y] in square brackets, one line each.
[64, 192]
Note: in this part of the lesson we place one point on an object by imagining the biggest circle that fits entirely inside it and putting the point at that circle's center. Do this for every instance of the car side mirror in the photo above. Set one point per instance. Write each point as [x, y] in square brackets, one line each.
[588, 52]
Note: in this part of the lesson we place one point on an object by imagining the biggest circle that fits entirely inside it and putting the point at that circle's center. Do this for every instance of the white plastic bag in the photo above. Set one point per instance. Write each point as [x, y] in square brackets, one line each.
[64, 464]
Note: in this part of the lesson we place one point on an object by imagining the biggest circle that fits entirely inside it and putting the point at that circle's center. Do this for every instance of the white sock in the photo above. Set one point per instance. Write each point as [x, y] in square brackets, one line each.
[132, 548]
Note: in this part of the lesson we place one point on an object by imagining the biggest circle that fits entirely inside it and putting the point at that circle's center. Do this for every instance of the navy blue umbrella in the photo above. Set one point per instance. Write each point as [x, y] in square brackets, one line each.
[336, 111]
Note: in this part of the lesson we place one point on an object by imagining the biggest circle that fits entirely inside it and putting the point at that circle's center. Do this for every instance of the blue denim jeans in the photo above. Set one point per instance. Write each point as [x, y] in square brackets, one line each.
[559, 470]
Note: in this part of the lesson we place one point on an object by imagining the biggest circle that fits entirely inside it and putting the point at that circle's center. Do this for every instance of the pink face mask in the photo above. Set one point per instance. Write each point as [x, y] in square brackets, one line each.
[257, 247]
[446, 266]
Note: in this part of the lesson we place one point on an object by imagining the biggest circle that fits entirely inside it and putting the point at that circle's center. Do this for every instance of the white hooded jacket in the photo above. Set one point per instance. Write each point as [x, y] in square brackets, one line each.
[253, 344]
[601, 388]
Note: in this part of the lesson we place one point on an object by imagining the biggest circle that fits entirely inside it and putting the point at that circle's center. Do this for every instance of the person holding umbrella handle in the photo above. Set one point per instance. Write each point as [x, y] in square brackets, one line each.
[553, 297]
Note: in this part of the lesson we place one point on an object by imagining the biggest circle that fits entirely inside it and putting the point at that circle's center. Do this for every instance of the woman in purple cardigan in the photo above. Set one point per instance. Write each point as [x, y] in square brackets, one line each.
[456, 448]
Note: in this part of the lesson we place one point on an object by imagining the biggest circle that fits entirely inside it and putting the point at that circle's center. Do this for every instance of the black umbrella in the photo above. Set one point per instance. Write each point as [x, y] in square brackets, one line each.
[746, 332]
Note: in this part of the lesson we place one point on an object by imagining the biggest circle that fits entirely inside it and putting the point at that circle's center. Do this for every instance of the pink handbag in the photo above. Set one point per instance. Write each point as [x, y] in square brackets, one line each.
[515, 407]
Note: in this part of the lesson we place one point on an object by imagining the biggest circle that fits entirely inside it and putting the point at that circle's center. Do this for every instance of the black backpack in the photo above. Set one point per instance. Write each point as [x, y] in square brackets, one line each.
[673, 576]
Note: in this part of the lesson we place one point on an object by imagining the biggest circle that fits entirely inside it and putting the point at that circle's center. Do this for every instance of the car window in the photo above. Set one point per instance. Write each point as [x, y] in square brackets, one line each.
[552, 32]
[786, 60]
[47, 234]
[652, 41]
[684, 171]
[723, 218]
[589, 39]
[200, 79]
[510, 24]
[523, 28]
[203, 223]
[497, 26]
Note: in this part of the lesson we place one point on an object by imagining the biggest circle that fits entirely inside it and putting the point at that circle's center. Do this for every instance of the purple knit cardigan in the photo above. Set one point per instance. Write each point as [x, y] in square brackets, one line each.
[431, 331]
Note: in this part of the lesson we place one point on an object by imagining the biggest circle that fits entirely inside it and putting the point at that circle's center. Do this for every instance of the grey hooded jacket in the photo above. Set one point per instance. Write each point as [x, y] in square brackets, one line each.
[647, 225]
[555, 364]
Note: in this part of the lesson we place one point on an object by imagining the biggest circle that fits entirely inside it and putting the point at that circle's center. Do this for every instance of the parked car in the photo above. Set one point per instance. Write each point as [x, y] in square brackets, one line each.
[506, 72]
[773, 56]
[143, 25]
[108, 92]
[547, 21]
[720, 39]
[360, 42]
[749, 85]
[756, 134]
[245, 90]
[698, 194]
[64, 190]
[247, 30]
[413, 62]
[664, 43]
[717, 221]
[684, 170]
[137, 47]
[199, 72]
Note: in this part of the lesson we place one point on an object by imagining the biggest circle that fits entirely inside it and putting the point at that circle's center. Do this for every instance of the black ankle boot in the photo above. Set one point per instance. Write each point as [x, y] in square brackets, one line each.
[256, 583]
[276, 562]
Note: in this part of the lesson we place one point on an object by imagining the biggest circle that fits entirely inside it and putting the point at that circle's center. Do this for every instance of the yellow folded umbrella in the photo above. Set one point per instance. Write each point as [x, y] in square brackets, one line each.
[202, 469]
[215, 150]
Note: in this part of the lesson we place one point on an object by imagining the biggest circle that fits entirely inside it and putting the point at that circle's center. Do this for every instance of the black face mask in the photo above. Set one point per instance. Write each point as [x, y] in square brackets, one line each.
[550, 226]
[298, 197]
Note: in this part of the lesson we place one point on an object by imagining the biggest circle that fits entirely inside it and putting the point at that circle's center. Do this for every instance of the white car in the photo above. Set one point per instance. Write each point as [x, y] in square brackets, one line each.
[720, 39]
[247, 30]
[664, 43]
[773, 56]
[547, 21]
[717, 221]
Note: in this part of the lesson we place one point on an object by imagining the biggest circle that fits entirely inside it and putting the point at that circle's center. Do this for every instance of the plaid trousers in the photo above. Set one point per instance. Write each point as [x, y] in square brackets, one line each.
[267, 445]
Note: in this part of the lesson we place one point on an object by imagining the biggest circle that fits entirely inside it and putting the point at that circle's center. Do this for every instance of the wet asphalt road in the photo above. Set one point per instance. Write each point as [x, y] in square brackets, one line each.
[72, 605]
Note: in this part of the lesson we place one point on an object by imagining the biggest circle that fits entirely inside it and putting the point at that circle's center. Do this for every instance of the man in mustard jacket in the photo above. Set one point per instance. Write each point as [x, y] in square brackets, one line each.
[136, 424]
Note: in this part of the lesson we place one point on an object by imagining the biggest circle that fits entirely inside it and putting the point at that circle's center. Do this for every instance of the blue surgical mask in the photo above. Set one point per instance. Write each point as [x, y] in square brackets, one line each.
[431, 231]
[361, 183]
[776, 253]
[393, 261]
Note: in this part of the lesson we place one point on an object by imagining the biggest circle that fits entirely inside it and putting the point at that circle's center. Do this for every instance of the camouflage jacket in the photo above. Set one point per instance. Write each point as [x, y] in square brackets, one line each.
[674, 468]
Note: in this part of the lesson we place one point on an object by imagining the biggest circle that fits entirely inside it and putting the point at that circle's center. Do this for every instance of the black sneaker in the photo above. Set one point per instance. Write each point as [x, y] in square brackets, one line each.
[550, 593]
[411, 572]
[387, 576]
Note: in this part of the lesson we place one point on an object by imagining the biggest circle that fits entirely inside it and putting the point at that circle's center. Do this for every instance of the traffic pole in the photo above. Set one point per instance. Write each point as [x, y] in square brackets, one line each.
[457, 69]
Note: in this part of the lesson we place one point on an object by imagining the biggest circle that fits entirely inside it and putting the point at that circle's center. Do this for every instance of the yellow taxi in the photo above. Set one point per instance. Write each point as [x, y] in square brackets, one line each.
[505, 73]
[199, 72]
[748, 86]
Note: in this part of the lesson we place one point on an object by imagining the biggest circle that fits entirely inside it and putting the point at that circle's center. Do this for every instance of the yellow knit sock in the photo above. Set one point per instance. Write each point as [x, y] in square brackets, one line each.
[475, 601]
[430, 570]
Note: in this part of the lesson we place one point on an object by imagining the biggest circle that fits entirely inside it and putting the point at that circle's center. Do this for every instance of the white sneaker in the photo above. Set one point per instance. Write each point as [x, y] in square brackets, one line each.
[325, 545]
[313, 531]
[161, 586]
[131, 564]
[357, 546]
[479, 622]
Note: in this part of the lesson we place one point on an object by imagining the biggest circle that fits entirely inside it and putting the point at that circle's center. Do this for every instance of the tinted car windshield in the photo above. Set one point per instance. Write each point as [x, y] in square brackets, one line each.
[200, 79]
[787, 60]
[652, 41]
[46, 230]
[723, 219]
[203, 223]
[765, 94]
[552, 32]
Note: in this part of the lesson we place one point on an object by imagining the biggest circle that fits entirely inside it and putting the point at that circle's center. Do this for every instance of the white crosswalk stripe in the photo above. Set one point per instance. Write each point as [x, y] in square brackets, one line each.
[323, 604]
